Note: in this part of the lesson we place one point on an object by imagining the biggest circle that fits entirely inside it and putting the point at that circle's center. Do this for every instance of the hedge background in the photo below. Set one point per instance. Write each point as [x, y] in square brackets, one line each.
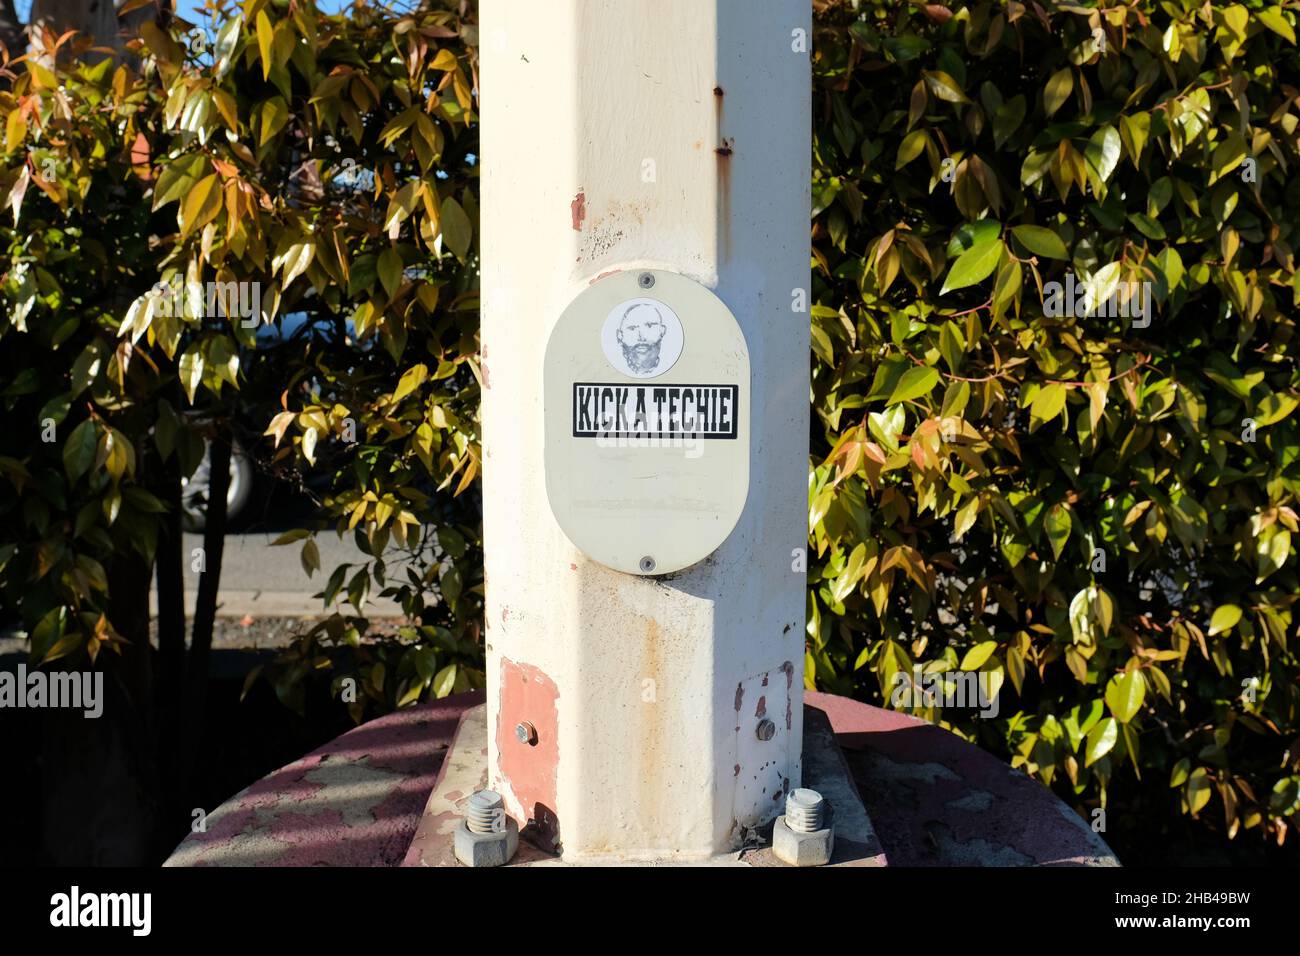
[1098, 514]
[1094, 515]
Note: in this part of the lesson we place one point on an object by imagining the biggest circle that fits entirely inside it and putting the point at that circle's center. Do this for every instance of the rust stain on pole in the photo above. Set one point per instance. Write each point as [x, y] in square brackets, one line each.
[723, 153]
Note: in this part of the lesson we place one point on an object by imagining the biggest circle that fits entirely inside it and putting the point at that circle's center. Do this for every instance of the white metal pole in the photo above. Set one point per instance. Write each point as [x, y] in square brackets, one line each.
[624, 710]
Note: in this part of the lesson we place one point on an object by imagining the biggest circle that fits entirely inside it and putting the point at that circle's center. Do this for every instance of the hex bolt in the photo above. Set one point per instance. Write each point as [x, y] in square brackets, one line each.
[766, 730]
[646, 280]
[526, 733]
[804, 836]
[804, 810]
[647, 563]
[486, 812]
[487, 836]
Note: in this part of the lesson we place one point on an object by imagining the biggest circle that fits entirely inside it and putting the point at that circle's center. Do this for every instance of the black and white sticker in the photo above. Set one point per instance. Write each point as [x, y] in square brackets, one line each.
[642, 337]
[610, 410]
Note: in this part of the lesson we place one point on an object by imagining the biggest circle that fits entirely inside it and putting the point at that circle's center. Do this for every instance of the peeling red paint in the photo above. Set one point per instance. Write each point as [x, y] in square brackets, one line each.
[578, 209]
[761, 710]
[740, 696]
[529, 770]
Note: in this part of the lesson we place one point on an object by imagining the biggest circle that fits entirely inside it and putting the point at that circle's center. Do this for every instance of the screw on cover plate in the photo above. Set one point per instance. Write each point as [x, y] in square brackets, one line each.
[485, 812]
[647, 564]
[803, 810]
[526, 733]
[766, 729]
[646, 280]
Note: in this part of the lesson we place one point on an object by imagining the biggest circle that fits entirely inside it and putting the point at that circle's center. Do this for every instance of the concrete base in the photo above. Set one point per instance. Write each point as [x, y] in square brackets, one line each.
[465, 770]
[367, 798]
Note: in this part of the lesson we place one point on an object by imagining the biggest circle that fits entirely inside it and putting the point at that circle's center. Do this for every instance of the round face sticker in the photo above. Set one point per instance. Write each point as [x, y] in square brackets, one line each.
[642, 337]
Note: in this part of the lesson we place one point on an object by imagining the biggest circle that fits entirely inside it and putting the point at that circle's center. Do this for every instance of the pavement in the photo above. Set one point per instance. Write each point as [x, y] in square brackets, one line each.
[260, 580]
[265, 592]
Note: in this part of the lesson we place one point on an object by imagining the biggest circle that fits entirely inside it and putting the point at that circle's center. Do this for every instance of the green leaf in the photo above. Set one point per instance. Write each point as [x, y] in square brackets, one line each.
[1102, 152]
[1274, 408]
[289, 537]
[274, 114]
[190, 370]
[1058, 89]
[1058, 523]
[47, 641]
[390, 270]
[965, 518]
[457, 231]
[1227, 156]
[1272, 552]
[916, 381]
[1225, 619]
[445, 681]
[1199, 787]
[1100, 741]
[201, 205]
[1178, 776]
[310, 557]
[1041, 241]
[944, 87]
[79, 452]
[1275, 20]
[1091, 613]
[970, 234]
[1047, 404]
[1133, 132]
[412, 379]
[1149, 227]
[847, 580]
[1008, 119]
[1124, 695]
[974, 265]
[912, 146]
[975, 658]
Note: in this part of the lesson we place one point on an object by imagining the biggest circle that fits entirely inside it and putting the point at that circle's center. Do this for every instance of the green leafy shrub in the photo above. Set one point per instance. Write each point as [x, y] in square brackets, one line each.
[324, 163]
[1092, 513]
[1092, 509]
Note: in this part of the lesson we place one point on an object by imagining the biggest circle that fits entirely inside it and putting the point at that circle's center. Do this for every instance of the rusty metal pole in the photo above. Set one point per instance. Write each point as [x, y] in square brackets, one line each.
[631, 714]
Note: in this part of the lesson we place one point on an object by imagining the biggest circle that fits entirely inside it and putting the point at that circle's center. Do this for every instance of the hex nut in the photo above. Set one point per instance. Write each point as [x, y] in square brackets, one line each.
[486, 849]
[802, 849]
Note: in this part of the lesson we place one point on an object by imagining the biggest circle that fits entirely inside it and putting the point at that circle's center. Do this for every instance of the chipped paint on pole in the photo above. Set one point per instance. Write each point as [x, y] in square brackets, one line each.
[667, 135]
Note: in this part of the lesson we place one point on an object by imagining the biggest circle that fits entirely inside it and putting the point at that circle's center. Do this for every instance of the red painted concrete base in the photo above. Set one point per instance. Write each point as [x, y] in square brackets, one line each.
[934, 799]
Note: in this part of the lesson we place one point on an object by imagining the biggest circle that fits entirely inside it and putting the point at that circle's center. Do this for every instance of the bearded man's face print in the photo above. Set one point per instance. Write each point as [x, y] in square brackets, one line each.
[641, 334]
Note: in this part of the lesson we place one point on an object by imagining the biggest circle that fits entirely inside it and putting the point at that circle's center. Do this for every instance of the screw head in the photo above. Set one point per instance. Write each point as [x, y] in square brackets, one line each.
[646, 280]
[647, 564]
[766, 729]
[526, 733]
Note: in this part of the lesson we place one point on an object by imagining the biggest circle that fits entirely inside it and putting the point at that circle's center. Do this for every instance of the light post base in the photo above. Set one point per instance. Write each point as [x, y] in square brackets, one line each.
[364, 799]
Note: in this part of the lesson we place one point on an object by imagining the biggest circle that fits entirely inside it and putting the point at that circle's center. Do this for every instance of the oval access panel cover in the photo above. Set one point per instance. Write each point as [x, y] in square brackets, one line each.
[646, 404]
